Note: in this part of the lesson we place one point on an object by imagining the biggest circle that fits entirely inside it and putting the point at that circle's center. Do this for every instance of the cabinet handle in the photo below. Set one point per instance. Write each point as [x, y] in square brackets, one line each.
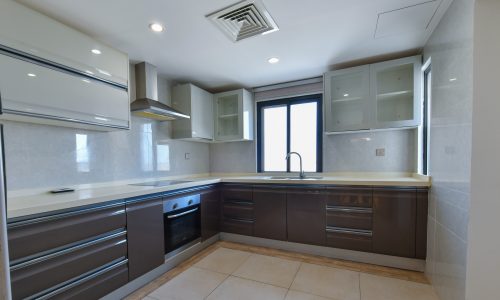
[182, 213]
[238, 202]
[349, 231]
[249, 221]
[349, 209]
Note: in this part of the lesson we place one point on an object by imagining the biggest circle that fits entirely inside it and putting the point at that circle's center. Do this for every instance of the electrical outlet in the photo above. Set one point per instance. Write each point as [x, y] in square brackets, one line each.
[380, 152]
[187, 156]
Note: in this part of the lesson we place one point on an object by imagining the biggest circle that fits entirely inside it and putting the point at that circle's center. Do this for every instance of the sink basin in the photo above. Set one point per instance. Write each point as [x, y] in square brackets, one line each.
[295, 177]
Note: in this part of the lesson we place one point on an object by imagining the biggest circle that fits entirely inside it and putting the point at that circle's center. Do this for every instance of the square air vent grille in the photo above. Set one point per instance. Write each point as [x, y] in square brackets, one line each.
[243, 20]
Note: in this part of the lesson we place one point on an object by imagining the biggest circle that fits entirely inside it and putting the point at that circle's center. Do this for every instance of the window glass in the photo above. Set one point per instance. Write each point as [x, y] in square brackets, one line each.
[303, 136]
[275, 138]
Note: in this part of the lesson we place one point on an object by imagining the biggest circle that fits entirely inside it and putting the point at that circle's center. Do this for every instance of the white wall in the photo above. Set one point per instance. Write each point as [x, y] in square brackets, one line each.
[483, 261]
[450, 47]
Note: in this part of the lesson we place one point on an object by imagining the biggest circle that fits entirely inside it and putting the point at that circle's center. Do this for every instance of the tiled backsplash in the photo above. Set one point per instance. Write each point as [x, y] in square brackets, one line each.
[341, 153]
[50, 156]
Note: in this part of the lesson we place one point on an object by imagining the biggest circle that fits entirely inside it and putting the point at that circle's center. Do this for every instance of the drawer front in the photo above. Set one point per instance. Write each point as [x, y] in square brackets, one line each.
[350, 240]
[95, 285]
[238, 211]
[349, 218]
[46, 272]
[34, 237]
[238, 226]
[237, 194]
[351, 197]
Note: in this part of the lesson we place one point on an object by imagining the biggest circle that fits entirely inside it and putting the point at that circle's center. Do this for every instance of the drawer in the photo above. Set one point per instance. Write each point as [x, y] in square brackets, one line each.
[39, 236]
[349, 239]
[237, 194]
[349, 217]
[43, 273]
[237, 210]
[352, 197]
[238, 226]
[93, 286]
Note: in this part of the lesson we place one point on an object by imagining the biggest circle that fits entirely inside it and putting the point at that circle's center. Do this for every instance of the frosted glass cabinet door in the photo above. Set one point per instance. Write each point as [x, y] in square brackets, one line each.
[395, 87]
[228, 114]
[347, 99]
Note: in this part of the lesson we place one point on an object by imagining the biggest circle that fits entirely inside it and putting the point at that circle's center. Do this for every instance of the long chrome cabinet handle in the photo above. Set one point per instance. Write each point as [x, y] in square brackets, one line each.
[249, 221]
[360, 210]
[182, 213]
[349, 231]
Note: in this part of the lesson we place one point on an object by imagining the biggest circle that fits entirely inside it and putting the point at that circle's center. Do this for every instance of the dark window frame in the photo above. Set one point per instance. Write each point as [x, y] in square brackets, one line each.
[288, 102]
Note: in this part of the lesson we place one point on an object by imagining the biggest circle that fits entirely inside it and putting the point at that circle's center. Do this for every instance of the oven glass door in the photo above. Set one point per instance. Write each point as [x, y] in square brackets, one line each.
[181, 227]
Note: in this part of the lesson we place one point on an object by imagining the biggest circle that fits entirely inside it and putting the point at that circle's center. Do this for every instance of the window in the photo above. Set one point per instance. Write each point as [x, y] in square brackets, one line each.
[288, 125]
[425, 128]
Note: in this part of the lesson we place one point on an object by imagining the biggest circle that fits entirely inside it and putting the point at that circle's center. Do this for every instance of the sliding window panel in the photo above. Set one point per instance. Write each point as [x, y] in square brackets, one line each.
[275, 138]
[303, 136]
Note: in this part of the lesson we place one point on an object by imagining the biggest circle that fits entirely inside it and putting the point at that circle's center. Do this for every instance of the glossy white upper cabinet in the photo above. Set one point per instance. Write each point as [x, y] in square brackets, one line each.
[198, 104]
[33, 33]
[396, 90]
[53, 74]
[234, 116]
[347, 99]
[378, 96]
[33, 93]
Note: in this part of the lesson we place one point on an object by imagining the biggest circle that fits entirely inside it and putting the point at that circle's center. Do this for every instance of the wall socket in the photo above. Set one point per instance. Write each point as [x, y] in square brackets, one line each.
[187, 156]
[380, 152]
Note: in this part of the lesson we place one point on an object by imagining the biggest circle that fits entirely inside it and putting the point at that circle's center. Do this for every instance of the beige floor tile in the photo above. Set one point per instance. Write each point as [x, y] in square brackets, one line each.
[223, 260]
[382, 288]
[235, 288]
[268, 269]
[192, 284]
[327, 282]
[296, 295]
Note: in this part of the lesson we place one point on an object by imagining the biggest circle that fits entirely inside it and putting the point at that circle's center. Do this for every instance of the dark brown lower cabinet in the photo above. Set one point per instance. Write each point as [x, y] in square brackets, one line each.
[237, 209]
[146, 248]
[421, 230]
[306, 216]
[270, 213]
[394, 219]
[210, 212]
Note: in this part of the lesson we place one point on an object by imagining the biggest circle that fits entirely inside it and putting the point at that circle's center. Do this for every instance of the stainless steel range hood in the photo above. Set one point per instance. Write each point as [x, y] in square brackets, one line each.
[147, 105]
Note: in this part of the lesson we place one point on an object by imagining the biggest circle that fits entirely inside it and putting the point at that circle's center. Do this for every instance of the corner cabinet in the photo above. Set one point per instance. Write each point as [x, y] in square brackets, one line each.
[198, 104]
[378, 96]
[233, 116]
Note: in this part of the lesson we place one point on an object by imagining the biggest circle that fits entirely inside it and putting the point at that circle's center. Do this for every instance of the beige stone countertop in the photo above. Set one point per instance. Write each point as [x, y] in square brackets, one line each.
[32, 202]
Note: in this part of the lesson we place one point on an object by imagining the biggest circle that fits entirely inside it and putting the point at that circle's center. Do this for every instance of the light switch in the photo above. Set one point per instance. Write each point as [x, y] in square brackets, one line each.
[380, 152]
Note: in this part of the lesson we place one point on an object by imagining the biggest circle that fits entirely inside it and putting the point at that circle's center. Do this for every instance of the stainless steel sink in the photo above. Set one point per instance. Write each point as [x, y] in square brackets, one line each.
[295, 178]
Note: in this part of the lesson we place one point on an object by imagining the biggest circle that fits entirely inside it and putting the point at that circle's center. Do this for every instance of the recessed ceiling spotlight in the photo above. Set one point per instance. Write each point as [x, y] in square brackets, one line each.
[96, 51]
[346, 95]
[156, 27]
[31, 75]
[273, 60]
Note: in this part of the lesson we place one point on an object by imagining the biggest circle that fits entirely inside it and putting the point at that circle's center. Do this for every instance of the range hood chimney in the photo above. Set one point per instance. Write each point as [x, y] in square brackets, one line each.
[147, 105]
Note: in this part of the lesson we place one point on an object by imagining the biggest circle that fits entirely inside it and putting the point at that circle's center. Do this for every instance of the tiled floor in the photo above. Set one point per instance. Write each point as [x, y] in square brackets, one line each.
[225, 273]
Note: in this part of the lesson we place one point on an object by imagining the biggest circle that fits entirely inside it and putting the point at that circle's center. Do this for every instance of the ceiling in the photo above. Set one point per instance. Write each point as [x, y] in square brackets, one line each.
[314, 36]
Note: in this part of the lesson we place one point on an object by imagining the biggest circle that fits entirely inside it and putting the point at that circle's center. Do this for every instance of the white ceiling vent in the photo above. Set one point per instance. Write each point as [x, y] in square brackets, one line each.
[243, 20]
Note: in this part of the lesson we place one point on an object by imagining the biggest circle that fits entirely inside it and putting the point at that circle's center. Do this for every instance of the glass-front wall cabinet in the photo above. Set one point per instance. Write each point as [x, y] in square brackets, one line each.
[347, 101]
[234, 116]
[377, 96]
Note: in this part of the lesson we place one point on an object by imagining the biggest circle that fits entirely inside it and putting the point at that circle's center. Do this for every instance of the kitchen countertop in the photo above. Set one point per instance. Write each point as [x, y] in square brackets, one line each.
[32, 202]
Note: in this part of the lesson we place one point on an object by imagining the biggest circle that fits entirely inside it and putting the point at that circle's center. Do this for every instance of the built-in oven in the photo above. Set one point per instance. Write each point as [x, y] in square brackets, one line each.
[182, 221]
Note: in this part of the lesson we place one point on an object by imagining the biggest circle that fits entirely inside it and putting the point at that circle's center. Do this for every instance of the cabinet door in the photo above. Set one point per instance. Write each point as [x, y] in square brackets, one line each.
[210, 212]
[394, 218]
[306, 216]
[347, 99]
[395, 90]
[145, 236]
[270, 213]
[228, 116]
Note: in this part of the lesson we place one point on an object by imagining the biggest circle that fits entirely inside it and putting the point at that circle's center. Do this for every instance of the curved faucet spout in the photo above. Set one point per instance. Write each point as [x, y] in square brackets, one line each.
[301, 173]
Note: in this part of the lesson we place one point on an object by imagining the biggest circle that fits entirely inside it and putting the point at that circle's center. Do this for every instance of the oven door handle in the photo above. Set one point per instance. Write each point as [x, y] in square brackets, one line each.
[182, 213]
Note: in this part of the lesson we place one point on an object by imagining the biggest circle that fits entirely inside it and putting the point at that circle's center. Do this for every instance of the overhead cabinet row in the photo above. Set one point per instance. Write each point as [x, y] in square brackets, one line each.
[221, 117]
[62, 78]
[377, 96]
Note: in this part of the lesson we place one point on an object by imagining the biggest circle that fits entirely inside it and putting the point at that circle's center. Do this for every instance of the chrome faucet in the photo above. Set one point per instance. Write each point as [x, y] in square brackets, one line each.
[301, 173]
